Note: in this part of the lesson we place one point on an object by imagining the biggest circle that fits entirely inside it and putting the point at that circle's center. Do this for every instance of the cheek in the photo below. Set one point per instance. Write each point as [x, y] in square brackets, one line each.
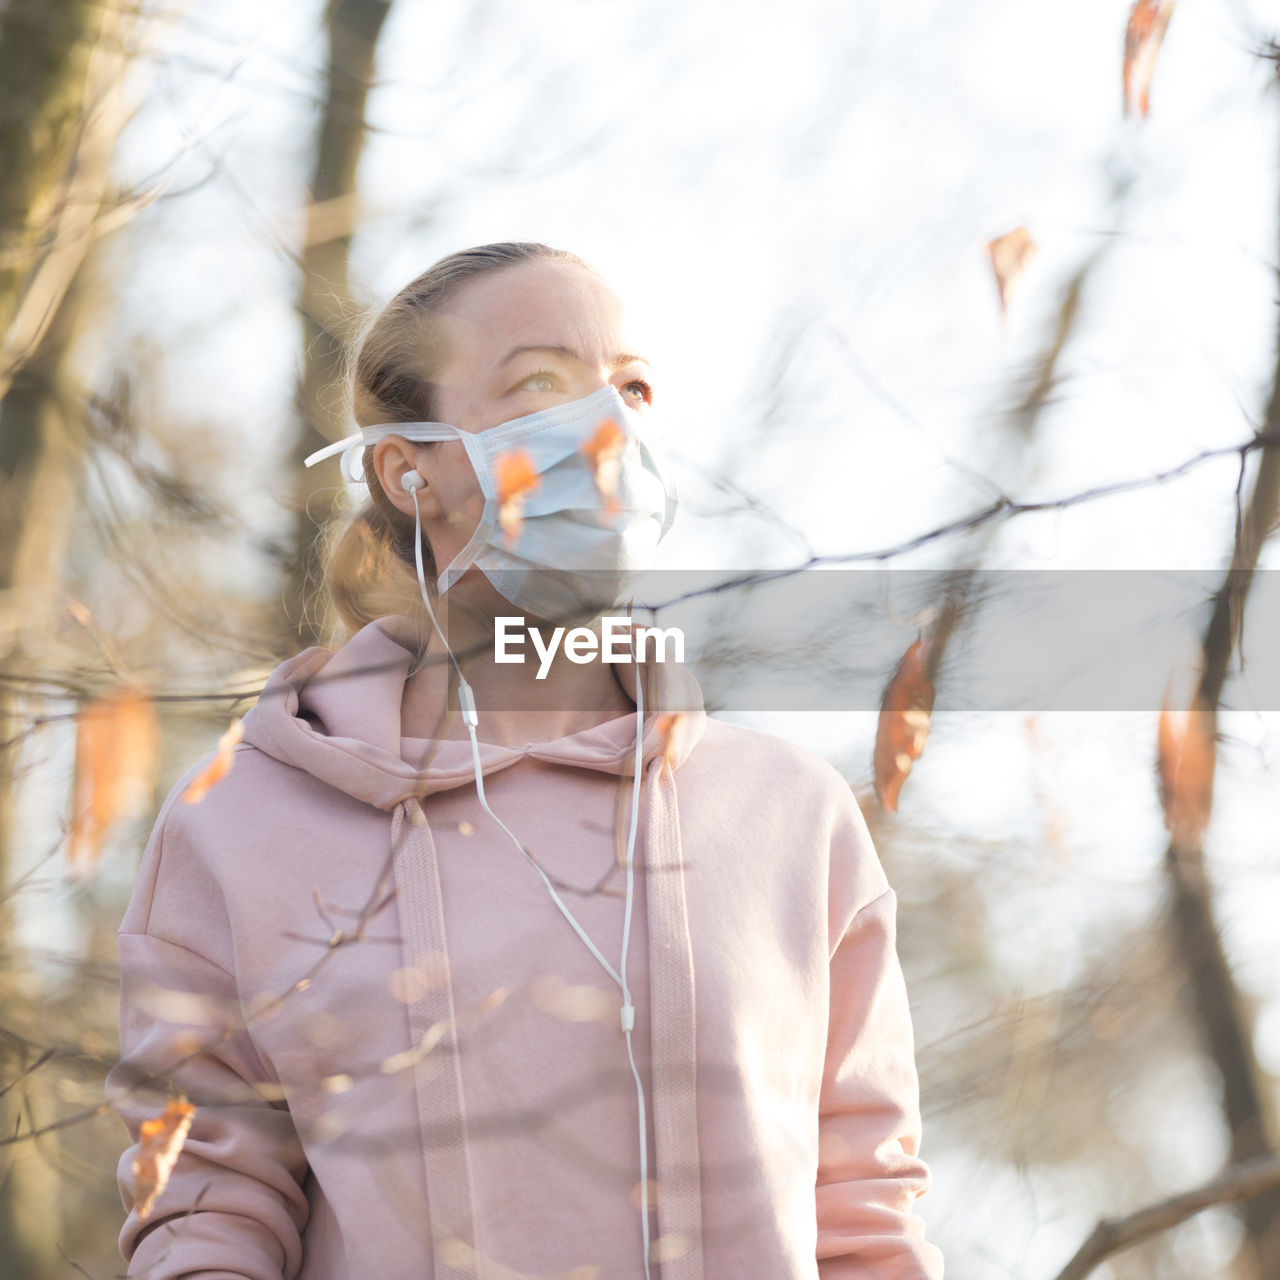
[464, 516]
[460, 496]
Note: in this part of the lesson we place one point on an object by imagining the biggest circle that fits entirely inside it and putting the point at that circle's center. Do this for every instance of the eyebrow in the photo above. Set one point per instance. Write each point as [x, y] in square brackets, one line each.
[623, 358]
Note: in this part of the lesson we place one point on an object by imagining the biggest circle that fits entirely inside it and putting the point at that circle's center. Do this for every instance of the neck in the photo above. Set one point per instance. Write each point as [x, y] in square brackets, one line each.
[518, 702]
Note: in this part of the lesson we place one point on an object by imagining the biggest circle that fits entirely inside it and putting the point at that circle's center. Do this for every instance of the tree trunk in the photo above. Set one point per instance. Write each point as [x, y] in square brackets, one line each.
[61, 108]
[325, 298]
[45, 47]
[1225, 1018]
[40, 469]
[62, 66]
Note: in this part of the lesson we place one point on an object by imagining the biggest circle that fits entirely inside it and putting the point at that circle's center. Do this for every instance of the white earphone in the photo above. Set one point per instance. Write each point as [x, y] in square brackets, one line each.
[411, 481]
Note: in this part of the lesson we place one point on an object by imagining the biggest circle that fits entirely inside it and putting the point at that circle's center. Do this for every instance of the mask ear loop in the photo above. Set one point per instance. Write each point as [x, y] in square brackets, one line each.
[628, 1012]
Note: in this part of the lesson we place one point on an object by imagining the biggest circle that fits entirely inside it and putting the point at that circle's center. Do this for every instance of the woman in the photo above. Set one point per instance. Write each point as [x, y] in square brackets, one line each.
[390, 956]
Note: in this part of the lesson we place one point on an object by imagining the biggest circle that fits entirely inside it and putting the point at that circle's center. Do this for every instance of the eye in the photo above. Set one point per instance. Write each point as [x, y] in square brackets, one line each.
[541, 380]
[638, 391]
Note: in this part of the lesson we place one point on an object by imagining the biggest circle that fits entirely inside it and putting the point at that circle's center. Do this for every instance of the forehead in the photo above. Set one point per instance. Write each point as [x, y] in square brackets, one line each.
[535, 304]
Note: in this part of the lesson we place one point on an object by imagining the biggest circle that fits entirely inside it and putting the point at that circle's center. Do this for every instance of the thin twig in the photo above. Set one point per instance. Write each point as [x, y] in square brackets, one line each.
[1236, 1182]
[88, 1275]
[35, 1066]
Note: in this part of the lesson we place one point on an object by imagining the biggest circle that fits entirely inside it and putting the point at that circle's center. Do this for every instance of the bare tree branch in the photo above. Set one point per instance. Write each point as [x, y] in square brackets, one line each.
[1238, 1182]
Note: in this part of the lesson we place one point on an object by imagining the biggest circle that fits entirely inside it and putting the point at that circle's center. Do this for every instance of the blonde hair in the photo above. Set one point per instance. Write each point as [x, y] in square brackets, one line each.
[366, 553]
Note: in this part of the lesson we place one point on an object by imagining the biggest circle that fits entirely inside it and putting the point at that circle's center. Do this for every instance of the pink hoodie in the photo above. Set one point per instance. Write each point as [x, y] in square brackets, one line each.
[443, 1091]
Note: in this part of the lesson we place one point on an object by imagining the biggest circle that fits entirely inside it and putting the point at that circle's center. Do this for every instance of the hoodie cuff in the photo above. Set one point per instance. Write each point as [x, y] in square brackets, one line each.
[234, 1203]
[870, 1173]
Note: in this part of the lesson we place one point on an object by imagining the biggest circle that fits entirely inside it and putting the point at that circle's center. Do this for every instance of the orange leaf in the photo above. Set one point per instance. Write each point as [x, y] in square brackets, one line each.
[1142, 36]
[115, 768]
[604, 450]
[516, 478]
[670, 728]
[217, 768]
[903, 726]
[1184, 764]
[161, 1143]
[1010, 255]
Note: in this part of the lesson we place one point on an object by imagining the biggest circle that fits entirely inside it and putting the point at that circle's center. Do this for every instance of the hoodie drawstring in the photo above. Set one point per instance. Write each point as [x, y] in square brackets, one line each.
[673, 1031]
[437, 1067]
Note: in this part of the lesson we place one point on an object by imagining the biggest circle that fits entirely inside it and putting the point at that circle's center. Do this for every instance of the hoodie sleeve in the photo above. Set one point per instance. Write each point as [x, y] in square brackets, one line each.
[869, 1170]
[234, 1206]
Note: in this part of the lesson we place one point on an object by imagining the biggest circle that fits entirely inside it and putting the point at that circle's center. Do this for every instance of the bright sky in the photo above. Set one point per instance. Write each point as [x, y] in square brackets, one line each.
[817, 181]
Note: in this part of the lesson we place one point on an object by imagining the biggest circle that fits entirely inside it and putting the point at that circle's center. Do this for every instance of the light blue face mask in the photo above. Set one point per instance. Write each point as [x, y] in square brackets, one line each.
[578, 550]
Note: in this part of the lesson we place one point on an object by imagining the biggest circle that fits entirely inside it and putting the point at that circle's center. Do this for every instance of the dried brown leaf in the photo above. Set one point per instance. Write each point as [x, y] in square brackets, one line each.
[217, 768]
[1010, 255]
[516, 477]
[161, 1144]
[1143, 33]
[604, 451]
[1185, 754]
[903, 726]
[671, 728]
[116, 759]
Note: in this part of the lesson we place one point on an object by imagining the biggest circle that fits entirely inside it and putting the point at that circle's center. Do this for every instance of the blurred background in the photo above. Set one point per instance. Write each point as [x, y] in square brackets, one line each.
[989, 286]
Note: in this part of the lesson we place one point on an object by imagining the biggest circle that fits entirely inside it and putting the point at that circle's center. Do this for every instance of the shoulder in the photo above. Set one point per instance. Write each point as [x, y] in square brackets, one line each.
[791, 798]
[220, 793]
[216, 811]
[758, 758]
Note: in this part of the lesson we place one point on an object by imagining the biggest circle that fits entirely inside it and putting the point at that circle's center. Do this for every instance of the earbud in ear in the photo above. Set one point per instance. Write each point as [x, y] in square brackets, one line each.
[411, 481]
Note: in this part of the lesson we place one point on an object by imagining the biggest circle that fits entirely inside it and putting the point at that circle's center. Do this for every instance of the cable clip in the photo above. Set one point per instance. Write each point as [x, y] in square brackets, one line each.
[628, 1017]
[467, 699]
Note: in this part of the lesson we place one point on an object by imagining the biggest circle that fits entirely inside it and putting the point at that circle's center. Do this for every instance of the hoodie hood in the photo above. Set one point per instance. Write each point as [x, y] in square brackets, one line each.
[336, 715]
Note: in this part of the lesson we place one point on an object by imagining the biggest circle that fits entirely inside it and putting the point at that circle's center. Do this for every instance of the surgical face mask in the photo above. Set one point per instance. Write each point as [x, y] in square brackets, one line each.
[589, 530]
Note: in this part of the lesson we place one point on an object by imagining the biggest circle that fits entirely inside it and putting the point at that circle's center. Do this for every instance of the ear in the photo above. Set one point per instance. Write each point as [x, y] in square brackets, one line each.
[393, 457]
